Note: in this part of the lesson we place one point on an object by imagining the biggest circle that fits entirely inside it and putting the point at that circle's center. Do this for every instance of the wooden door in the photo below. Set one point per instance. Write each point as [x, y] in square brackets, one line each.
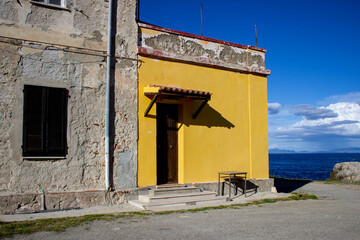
[167, 143]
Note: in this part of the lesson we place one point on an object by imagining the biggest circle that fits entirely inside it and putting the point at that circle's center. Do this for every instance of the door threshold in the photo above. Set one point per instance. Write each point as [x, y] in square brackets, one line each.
[170, 185]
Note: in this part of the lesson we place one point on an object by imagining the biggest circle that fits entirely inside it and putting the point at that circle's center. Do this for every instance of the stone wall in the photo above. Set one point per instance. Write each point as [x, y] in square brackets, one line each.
[169, 44]
[37, 202]
[66, 48]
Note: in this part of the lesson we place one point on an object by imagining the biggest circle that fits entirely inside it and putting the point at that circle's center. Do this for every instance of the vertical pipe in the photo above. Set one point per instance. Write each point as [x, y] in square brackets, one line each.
[107, 111]
[43, 207]
[201, 19]
[250, 127]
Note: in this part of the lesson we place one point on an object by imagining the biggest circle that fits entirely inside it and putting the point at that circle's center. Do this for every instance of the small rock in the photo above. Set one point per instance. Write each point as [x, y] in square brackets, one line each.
[346, 172]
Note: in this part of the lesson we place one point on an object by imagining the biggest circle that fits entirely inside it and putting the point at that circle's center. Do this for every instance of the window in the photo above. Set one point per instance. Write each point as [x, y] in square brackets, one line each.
[45, 121]
[59, 3]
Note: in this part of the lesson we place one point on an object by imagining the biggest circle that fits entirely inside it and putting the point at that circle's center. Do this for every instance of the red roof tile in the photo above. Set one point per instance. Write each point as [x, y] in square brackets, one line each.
[183, 91]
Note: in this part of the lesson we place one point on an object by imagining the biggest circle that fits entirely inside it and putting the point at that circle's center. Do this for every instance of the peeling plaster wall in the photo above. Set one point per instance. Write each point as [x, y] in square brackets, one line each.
[59, 48]
[181, 46]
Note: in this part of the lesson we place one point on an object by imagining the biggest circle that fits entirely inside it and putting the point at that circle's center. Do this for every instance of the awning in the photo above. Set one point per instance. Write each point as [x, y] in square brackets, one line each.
[157, 92]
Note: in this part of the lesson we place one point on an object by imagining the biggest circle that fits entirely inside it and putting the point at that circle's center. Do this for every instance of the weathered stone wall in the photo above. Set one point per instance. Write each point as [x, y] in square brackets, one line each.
[170, 44]
[67, 48]
[35, 202]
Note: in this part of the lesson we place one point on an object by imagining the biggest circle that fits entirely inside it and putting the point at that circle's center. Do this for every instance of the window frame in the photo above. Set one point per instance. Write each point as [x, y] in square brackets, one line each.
[51, 134]
[46, 3]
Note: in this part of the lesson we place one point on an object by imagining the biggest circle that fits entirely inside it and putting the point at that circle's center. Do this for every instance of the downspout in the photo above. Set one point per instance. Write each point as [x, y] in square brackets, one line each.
[107, 120]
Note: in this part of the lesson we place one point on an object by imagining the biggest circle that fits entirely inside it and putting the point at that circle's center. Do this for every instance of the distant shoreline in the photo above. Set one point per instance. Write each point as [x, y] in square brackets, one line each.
[314, 166]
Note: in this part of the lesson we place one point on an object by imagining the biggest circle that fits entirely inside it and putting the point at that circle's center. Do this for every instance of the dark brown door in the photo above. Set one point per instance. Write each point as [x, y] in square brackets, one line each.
[167, 143]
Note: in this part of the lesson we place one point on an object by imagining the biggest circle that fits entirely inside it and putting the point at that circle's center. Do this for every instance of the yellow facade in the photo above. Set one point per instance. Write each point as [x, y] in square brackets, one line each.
[229, 134]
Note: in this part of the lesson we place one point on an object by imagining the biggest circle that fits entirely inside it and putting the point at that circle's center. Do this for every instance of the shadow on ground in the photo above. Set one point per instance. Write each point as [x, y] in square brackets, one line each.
[285, 185]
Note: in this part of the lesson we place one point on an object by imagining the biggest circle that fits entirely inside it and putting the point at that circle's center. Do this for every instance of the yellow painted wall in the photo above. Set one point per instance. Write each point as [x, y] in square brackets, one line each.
[229, 134]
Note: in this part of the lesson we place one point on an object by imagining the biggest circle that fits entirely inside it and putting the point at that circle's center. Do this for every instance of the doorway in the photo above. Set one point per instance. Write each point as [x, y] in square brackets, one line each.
[167, 143]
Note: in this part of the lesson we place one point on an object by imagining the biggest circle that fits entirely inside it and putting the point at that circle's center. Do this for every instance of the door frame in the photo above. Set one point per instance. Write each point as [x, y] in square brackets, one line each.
[167, 143]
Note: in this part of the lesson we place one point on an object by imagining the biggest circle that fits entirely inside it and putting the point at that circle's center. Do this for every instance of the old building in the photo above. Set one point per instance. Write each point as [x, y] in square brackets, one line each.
[86, 119]
[210, 113]
[53, 103]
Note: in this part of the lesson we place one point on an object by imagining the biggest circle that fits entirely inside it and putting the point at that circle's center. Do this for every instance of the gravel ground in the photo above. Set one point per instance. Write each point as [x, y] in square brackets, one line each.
[335, 216]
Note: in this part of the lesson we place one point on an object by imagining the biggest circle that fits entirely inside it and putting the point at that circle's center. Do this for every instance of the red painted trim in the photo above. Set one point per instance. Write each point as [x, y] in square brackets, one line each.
[199, 60]
[149, 26]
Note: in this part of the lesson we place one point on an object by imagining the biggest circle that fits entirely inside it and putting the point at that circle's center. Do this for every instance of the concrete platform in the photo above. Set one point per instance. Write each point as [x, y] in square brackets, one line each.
[116, 209]
[173, 190]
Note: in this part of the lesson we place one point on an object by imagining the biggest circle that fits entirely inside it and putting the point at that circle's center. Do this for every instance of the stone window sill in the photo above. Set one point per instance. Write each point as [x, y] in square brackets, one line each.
[50, 5]
[43, 158]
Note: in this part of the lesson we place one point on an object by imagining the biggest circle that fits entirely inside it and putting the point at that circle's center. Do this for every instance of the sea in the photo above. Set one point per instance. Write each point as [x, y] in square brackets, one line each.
[313, 166]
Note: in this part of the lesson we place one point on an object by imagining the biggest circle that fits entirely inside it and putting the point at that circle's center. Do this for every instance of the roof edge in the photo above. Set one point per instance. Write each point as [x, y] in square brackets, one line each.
[154, 53]
[167, 30]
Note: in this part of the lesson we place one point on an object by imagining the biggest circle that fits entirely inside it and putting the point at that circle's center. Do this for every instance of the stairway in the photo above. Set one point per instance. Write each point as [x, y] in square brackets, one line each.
[175, 195]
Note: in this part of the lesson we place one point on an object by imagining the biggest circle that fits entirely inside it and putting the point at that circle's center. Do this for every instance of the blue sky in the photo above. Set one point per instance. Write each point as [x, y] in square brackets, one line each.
[313, 53]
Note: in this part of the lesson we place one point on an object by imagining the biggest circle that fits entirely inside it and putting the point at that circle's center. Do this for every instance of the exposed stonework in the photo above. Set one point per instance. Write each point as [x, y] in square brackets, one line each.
[228, 54]
[185, 47]
[165, 42]
[8, 10]
[42, 19]
[89, 20]
[35, 202]
[67, 49]
[20, 203]
[194, 49]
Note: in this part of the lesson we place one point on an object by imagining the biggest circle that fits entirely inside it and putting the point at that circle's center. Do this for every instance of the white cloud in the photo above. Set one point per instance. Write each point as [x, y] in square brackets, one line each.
[346, 123]
[311, 112]
[274, 108]
[349, 97]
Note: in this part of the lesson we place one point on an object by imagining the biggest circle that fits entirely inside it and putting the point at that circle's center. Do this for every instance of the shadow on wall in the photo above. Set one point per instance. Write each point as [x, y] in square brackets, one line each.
[208, 117]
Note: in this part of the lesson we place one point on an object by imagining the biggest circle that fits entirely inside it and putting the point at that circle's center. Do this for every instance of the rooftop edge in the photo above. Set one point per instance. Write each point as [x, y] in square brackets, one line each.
[150, 26]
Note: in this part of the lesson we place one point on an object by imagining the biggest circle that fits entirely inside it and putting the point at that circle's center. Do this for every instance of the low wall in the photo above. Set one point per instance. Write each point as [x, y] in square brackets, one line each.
[34, 202]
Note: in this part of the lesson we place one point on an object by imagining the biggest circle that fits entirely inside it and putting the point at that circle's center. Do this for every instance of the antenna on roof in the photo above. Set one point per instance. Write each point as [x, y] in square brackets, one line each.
[256, 35]
[138, 10]
[201, 19]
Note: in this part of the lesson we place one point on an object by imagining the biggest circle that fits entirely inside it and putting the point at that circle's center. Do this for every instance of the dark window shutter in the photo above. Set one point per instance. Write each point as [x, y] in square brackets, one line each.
[45, 121]
[56, 124]
[33, 120]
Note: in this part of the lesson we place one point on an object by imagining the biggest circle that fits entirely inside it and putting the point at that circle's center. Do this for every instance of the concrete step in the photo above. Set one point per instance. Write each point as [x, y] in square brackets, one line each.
[173, 190]
[175, 197]
[179, 201]
[170, 185]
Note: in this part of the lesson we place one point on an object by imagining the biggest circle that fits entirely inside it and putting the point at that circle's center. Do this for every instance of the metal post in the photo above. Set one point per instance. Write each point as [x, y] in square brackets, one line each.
[107, 111]
[245, 185]
[256, 35]
[201, 19]
[138, 10]
[229, 186]
[219, 184]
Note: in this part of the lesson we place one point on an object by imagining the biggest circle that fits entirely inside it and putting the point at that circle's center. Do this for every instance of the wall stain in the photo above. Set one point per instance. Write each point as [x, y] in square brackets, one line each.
[229, 55]
[164, 42]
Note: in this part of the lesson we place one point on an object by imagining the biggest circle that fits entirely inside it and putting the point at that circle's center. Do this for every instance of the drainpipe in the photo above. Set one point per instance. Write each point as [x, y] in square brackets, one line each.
[107, 121]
